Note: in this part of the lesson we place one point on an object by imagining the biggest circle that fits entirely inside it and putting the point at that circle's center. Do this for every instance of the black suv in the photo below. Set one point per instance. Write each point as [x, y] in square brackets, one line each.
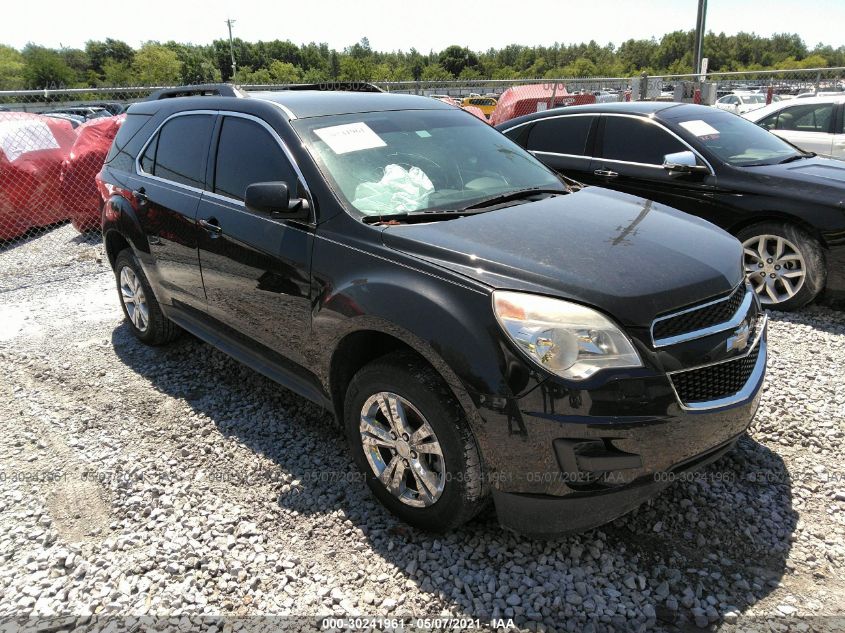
[480, 328]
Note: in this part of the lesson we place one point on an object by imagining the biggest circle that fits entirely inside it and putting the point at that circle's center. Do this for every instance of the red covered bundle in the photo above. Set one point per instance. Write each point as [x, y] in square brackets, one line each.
[81, 199]
[518, 101]
[32, 149]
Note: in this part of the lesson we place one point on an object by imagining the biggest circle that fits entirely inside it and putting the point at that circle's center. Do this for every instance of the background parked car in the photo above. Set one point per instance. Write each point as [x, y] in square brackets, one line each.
[485, 104]
[815, 124]
[86, 112]
[784, 205]
[32, 148]
[741, 103]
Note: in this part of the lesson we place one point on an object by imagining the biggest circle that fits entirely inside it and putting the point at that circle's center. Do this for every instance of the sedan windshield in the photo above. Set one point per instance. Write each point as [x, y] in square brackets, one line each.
[752, 98]
[385, 163]
[732, 139]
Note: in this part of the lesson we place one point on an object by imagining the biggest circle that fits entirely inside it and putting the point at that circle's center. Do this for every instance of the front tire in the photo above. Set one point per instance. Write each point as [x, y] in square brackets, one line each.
[785, 264]
[142, 311]
[411, 441]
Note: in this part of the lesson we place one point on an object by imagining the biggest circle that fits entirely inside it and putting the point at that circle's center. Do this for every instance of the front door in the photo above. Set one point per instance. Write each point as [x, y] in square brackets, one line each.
[255, 269]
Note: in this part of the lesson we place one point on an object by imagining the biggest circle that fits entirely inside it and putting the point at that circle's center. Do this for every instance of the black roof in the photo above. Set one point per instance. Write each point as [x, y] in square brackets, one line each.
[641, 108]
[312, 103]
[296, 104]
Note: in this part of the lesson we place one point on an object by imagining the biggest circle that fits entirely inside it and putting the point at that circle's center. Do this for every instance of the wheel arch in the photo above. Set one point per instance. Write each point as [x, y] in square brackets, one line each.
[778, 216]
[362, 346]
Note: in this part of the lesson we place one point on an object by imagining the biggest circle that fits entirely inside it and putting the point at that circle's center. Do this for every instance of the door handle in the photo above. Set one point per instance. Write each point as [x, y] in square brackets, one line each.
[140, 196]
[606, 173]
[212, 226]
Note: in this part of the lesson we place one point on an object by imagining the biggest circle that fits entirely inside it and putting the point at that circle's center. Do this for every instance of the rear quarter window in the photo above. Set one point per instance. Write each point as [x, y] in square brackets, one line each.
[130, 127]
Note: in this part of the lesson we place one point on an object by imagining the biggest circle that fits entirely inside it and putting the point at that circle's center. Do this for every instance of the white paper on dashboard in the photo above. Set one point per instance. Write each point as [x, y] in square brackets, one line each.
[699, 128]
[350, 137]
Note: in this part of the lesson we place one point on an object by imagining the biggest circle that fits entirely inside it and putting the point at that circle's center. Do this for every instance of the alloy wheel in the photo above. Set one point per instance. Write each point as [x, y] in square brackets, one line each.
[775, 268]
[402, 449]
[134, 299]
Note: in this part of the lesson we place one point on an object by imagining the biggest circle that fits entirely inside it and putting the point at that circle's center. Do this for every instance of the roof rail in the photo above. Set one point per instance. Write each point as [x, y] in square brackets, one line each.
[198, 90]
[344, 86]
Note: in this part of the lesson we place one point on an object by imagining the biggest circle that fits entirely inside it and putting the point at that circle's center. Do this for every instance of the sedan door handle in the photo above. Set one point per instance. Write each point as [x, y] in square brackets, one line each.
[606, 173]
[212, 226]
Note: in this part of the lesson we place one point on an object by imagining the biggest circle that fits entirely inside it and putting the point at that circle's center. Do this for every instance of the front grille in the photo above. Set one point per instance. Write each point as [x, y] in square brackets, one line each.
[699, 318]
[716, 381]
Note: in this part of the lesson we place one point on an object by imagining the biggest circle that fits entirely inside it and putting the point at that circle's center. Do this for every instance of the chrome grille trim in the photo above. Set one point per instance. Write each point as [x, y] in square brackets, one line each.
[732, 323]
[751, 384]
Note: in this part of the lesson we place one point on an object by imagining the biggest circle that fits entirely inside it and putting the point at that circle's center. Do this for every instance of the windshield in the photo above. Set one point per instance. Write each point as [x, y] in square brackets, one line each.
[752, 98]
[732, 139]
[384, 163]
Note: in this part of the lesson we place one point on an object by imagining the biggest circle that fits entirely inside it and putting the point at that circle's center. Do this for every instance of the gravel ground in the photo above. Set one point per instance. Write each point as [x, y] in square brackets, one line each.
[139, 481]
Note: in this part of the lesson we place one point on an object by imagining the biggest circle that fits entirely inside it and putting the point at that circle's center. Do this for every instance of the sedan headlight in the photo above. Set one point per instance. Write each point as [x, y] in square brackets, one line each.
[566, 338]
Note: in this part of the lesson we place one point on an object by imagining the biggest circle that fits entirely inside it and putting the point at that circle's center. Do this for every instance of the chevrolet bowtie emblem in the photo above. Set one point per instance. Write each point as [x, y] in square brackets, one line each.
[739, 339]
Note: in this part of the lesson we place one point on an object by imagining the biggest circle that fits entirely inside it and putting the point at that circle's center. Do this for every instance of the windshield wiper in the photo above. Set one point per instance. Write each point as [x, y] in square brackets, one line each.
[431, 215]
[513, 195]
[797, 157]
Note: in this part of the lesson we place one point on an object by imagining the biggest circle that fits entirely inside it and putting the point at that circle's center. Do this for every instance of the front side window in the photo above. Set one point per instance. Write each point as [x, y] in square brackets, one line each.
[247, 153]
[178, 151]
[562, 135]
[731, 139]
[806, 118]
[414, 160]
[637, 141]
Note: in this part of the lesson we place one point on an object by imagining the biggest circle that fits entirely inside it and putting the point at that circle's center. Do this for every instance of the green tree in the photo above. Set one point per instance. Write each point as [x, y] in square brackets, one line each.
[11, 68]
[117, 73]
[45, 68]
[156, 65]
[284, 73]
[99, 52]
[435, 72]
[455, 58]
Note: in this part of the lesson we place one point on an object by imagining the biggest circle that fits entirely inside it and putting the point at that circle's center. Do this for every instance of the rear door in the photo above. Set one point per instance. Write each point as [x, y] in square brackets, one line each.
[630, 152]
[255, 268]
[810, 126]
[171, 177]
[839, 133]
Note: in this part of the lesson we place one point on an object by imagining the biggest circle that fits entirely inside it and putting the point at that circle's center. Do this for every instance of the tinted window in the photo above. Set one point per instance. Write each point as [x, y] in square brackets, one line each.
[178, 152]
[637, 141]
[812, 117]
[128, 129]
[566, 135]
[246, 154]
[841, 127]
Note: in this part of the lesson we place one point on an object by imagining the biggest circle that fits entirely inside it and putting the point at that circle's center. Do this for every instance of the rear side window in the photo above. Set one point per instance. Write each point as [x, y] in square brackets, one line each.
[179, 150]
[564, 135]
[247, 153]
[130, 127]
[632, 140]
[813, 117]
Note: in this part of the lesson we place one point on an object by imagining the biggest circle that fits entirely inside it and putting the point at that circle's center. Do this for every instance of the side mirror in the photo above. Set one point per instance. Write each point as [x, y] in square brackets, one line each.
[273, 199]
[683, 163]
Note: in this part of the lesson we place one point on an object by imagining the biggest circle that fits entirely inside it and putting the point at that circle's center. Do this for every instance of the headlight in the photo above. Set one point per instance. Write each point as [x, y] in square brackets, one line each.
[566, 338]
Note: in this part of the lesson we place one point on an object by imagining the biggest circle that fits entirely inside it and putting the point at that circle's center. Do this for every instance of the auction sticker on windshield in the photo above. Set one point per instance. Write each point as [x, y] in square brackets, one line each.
[350, 137]
[700, 128]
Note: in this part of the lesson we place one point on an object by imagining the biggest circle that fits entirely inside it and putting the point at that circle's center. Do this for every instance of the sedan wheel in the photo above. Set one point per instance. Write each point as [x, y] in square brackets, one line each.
[402, 449]
[775, 267]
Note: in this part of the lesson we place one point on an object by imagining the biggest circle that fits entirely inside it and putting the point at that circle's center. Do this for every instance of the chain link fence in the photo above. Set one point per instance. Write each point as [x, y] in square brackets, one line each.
[53, 143]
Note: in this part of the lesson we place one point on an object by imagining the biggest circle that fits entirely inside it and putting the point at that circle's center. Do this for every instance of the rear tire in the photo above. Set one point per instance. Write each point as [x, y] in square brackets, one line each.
[785, 264]
[142, 311]
[429, 491]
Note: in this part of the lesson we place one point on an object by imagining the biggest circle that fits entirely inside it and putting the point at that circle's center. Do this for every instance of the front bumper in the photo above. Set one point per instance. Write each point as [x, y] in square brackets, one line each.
[563, 459]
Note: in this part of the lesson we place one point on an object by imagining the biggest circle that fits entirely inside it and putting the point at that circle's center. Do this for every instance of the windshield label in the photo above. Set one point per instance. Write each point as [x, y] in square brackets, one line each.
[351, 137]
[700, 129]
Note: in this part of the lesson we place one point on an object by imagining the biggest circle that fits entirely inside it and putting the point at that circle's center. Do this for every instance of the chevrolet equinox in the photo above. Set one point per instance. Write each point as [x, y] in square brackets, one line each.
[481, 327]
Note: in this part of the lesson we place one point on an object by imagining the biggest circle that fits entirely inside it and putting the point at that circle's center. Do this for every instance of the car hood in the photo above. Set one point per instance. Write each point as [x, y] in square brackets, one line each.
[821, 178]
[630, 257]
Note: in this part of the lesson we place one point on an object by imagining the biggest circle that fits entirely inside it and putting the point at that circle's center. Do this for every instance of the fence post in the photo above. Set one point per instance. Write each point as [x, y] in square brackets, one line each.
[644, 86]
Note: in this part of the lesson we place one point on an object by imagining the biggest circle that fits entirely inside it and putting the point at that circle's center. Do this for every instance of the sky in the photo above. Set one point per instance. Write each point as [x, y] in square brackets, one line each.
[400, 24]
